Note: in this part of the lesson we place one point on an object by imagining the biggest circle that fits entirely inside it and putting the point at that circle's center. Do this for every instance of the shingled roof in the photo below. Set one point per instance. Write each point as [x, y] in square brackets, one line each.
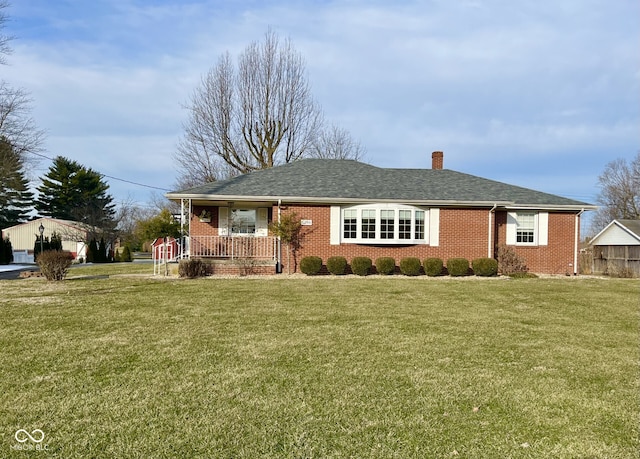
[344, 181]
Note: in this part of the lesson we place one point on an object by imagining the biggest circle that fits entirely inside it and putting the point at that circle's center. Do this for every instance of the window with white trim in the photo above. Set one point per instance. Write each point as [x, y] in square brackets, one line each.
[368, 223]
[527, 228]
[387, 224]
[350, 224]
[384, 224]
[419, 226]
[243, 222]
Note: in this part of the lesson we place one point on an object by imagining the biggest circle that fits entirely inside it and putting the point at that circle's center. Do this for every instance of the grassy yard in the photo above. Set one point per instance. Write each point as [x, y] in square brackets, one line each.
[126, 366]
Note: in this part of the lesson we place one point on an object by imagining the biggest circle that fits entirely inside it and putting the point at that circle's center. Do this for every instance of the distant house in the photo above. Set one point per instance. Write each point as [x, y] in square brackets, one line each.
[351, 209]
[23, 236]
[617, 248]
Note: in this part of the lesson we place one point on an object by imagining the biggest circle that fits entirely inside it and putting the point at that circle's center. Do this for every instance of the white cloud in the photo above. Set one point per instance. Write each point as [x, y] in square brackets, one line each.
[477, 79]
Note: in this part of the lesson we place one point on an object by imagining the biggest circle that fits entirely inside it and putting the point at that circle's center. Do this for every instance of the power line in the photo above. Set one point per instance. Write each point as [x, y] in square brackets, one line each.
[110, 176]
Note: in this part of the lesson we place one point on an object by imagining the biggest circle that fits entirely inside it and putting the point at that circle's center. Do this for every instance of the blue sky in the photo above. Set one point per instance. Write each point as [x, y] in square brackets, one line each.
[536, 93]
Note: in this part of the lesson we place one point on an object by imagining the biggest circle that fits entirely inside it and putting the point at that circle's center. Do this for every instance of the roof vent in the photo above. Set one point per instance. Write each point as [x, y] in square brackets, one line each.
[437, 160]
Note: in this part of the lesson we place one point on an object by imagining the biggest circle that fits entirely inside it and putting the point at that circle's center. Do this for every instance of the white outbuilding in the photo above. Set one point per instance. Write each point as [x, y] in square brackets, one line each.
[23, 237]
[616, 249]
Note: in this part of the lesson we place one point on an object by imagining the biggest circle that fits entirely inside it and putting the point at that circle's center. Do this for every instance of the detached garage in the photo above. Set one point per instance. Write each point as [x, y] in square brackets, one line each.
[23, 237]
[616, 249]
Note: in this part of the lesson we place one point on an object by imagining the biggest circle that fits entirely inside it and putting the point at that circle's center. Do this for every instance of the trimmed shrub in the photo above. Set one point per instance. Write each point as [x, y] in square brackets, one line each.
[361, 266]
[385, 265]
[337, 265]
[54, 264]
[126, 254]
[192, 268]
[485, 267]
[410, 266]
[311, 265]
[433, 266]
[458, 267]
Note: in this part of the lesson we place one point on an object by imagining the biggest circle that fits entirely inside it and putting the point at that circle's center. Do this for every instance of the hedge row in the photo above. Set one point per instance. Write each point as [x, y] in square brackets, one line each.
[409, 266]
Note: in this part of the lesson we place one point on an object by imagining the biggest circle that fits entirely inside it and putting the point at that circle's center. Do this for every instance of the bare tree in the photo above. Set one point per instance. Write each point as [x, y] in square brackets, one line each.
[619, 196]
[5, 49]
[252, 116]
[336, 143]
[16, 124]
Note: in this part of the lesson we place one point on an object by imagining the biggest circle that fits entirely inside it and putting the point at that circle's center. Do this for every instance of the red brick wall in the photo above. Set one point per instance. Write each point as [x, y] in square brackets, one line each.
[463, 233]
[203, 228]
[554, 258]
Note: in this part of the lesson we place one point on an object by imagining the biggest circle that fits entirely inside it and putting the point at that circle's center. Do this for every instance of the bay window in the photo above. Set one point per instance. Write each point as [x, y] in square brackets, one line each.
[384, 224]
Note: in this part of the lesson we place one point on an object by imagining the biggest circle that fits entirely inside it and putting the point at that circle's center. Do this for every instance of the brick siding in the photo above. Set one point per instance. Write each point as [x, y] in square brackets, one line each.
[463, 233]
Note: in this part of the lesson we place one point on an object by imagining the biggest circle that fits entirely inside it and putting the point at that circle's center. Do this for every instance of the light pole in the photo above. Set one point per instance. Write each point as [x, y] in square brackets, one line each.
[41, 229]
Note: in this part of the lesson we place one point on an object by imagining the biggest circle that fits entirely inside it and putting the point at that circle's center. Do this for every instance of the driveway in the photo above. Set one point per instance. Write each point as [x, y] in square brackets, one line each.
[12, 271]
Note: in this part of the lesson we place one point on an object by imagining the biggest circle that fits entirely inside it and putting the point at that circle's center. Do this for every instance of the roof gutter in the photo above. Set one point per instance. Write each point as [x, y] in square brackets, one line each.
[490, 238]
[576, 246]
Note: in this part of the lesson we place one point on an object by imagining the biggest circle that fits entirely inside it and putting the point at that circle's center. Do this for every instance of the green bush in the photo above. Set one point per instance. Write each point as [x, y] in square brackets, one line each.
[433, 266]
[54, 264]
[126, 254]
[458, 267]
[311, 265]
[337, 265]
[361, 266]
[192, 268]
[485, 267]
[385, 265]
[410, 266]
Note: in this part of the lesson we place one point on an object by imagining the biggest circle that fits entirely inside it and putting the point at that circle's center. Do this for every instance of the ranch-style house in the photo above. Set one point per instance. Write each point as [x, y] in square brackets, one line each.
[350, 208]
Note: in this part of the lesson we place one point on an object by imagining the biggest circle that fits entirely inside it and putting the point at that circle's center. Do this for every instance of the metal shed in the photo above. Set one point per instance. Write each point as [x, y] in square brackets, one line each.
[616, 249]
[23, 236]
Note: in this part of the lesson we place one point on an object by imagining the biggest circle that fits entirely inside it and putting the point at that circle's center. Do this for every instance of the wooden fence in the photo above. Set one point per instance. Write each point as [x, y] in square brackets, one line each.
[617, 260]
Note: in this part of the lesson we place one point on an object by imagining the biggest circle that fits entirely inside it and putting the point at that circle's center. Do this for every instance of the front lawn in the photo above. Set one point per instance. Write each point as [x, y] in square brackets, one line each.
[320, 367]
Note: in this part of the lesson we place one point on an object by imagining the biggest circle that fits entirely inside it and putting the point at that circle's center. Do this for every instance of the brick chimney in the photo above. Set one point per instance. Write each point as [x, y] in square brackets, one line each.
[437, 160]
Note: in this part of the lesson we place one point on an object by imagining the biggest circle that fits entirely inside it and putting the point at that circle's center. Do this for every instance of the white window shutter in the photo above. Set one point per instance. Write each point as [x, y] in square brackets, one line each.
[223, 221]
[434, 227]
[512, 223]
[334, 225]
[262, 223]
[543, 228]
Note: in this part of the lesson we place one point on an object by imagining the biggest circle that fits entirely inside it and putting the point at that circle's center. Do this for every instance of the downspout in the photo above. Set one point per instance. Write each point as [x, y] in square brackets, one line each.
[279, 247]
[490, 238]
[576, 243]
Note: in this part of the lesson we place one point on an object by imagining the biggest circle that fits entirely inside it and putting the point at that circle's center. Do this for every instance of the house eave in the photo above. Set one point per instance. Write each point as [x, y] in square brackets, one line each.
[507, 205]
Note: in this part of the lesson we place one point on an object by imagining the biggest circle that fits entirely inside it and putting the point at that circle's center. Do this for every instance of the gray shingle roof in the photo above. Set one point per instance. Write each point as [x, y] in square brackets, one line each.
[347, 180]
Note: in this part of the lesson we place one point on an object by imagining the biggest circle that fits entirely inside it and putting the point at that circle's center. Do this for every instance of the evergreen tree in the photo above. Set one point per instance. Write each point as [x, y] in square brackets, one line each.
[70, 191]
[16, 200]
[102, 252]
[92, 251]
[126, 254]
[6, 251]
[41, 244]
[56, 242]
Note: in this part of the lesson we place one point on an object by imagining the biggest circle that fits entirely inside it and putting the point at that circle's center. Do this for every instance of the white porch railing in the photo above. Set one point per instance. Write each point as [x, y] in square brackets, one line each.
[233, 247]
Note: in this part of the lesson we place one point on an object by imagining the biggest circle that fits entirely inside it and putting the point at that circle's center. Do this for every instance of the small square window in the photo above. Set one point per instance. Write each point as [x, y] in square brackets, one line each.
[350, 224]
